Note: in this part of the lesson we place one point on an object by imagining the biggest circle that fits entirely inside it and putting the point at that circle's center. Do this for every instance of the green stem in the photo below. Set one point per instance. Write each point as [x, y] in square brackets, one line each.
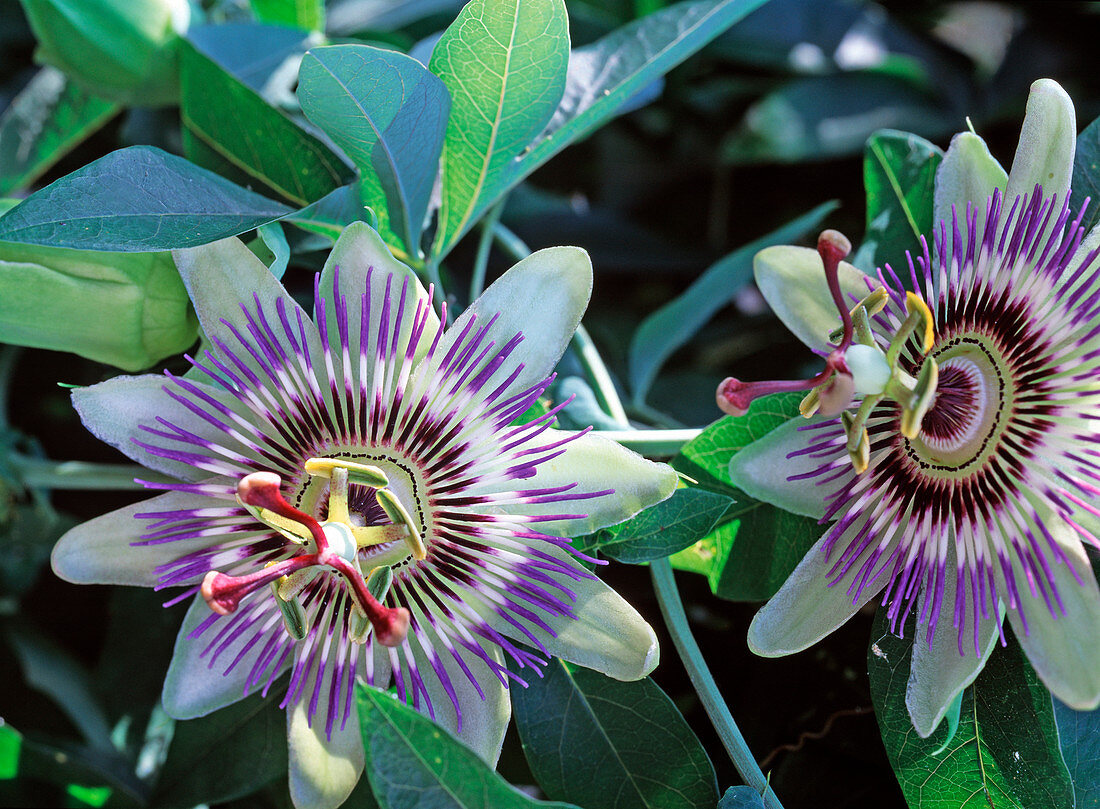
[484, 244]
[668, 596]
[8, 356]
[652, 443]
[46, 474]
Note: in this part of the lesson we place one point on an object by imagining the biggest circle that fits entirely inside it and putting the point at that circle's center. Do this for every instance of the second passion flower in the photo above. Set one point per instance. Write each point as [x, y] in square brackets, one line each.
[358, 498]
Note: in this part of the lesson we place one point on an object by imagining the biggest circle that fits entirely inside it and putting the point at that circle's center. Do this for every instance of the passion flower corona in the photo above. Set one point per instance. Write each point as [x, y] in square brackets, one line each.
[358, 498]
[960, 480]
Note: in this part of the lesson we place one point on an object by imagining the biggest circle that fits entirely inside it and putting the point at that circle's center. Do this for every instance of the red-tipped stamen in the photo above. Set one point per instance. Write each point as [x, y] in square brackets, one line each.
[832, 246]
[261, 490]
[223, 593]
[735, 396]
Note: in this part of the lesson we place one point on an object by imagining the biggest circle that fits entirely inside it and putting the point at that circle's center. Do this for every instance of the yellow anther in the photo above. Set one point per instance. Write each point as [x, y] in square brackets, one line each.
[378, 583]
[923, 395]
[368, 535]
[361, 473]
[291, 529]
[859, 443]
[810, 403]
[870, 306]
[285, 591]
[289, 587]
[914, 303]
[396, 512]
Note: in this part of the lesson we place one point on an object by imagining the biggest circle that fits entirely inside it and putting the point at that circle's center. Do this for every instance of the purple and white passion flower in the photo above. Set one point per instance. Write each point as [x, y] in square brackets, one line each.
[963, 485]
[355, 500]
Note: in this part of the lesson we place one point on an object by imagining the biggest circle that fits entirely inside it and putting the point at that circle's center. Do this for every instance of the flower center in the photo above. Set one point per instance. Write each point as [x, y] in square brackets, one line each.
[959, 431]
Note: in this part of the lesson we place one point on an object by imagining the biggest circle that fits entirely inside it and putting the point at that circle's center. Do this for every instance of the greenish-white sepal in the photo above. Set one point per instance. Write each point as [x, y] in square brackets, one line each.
[969, 174]
[323, 771]
[360, 252]
[115, 411]
[1063, 650]
[763, 469]
[484, 721]
[594, 464]
[807, 608]
[542, 297]
[221, 277]
[100, 551]
[940, 673]
[192, 687]
[1048, 140]
[792, 280]
[608, 635]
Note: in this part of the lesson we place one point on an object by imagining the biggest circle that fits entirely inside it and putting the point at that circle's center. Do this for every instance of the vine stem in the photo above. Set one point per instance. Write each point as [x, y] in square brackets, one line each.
[46, 474]
[652, 443]
[484, 243]
[672, 609]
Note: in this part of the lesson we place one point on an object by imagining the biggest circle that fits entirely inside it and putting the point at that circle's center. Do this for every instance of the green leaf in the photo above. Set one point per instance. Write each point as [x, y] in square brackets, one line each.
[28, 532]
[1004, 752]
[504, 63]
[668, 527]
[662, 332]
[10, 744]
[225, 755]
[899, 174]
[234, 121]
[411, 761]
[43, 123]
[53, 671]
[609, 744]
[1079, 737]
[756, 545]
[1086, 175]
[137, 199]
[388, 114]
[742, 797]
[606, 75]
[306, 14]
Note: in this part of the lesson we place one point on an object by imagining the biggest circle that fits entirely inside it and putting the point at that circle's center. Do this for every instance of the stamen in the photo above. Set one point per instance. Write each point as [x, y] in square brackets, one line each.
[396, 512]
[360, 473]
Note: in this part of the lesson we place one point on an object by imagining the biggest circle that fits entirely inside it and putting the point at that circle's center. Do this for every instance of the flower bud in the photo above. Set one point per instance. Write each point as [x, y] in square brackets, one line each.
[125, 309]
[122, 50]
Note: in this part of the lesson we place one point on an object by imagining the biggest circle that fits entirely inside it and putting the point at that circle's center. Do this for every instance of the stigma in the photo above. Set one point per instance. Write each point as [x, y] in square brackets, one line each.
[330, 547]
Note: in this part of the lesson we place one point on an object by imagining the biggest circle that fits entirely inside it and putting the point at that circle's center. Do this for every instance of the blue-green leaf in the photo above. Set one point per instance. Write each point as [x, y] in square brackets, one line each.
[388, 114]
[137, 199]
[1079, 738]
[607, 744]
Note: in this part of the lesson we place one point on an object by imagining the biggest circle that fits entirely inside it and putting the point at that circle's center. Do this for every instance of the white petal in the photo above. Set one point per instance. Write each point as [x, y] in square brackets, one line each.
[100, 551]
[195, 684]
[806, 608]
[358, 252]
[1048, 140]
[792, 281]
[968, 174]
[595, 464]
[763, 469]
[939, 673]
[323, 771]
[608, 634]
[542, 297]
[1064, 650]
[484, 721]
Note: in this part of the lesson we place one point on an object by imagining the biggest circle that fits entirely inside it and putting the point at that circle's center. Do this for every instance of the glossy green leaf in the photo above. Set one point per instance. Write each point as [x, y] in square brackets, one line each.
[225, 755]
[1085, 183]
[1004, 752]
[306, 14]
[137, 199]
[662, 530]
[662, 332]
[899, 174]
[607, 744]
[388, 114]
[827, 116]
[756, 545]
[49, 117]
[329, 215]
[504, 64]
[607, 74]
[234, 121]
[742, 797]
[1079, 738]
[412, 762]
[10, 744]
